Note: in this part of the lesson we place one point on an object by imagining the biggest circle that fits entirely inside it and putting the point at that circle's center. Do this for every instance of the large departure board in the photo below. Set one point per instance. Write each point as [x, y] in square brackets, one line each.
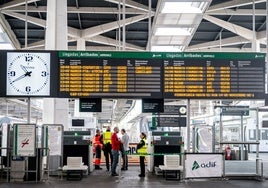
[156, 75]
[217, 77]
[99, 76]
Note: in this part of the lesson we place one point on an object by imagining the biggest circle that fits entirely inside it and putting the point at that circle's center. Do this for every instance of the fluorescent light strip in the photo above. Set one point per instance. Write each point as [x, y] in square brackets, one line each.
[181, 7]
[173, 31]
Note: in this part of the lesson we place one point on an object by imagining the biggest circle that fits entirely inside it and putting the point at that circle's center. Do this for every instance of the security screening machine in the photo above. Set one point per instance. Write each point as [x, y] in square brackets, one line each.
[78, 144]
[161, 143]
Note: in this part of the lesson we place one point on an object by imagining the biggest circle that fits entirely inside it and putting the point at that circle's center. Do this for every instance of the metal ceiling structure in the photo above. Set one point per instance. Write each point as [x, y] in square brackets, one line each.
[131, 25]
[227, 24]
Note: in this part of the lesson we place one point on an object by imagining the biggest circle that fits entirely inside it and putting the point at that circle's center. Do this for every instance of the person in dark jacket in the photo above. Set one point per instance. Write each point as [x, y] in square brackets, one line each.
[107, 147]
[142, 151]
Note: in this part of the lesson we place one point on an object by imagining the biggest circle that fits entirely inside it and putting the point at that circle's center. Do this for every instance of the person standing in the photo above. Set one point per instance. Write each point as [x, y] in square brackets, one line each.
[97, 148]
[115, 150]
[125, 149]
[142, 151]
[107, 147]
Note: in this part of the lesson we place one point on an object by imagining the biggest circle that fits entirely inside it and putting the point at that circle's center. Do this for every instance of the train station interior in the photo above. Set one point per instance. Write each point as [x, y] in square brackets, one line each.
[190, 74]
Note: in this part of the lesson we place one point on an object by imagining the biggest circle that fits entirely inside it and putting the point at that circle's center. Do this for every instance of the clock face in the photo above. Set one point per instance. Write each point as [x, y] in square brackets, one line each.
[182, 110]
[28, 74]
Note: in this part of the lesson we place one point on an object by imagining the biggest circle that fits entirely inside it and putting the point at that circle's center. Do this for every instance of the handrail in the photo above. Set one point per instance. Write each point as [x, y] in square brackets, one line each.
[239, 142]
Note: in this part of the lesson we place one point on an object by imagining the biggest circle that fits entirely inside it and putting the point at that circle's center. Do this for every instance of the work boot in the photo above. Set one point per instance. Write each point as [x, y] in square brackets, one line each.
[97, 167]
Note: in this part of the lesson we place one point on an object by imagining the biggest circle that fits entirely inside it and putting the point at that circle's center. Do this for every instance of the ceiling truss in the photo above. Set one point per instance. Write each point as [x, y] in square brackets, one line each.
[94, 34]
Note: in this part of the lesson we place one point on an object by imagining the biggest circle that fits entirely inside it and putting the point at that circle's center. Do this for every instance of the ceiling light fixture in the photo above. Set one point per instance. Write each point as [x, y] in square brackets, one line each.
[183, 7]
[167, 31]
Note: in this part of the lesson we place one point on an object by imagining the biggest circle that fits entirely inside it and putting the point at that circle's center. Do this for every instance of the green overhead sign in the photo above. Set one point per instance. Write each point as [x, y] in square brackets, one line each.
[160, 55]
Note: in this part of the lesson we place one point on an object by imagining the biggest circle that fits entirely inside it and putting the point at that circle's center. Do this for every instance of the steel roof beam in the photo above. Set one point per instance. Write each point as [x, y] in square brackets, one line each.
[217, 43]
[103, 10]
[232, 4]
[241, 31]
[109, 41]
[131, 3]
[76, 33]
[36, 45]
[42, 9]
[30, 19]
[72, 32]
[226, 49]
[82, 10]
[100, 29]
[16, 3]
[41, 44]
[97, 39]
[260, 36]
[6, 27]
[238, 12]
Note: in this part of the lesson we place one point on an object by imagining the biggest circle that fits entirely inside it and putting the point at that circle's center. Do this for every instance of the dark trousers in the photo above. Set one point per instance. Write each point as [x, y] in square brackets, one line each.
[108, 155]
[98, 152]
[125, 160]
[142, 165]
[97, 157]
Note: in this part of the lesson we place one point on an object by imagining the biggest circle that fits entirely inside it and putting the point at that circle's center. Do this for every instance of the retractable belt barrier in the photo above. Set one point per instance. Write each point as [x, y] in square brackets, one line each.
[157, 154]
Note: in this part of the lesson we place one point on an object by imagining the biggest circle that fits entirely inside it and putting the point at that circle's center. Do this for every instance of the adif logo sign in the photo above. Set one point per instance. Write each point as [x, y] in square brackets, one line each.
[203, 165]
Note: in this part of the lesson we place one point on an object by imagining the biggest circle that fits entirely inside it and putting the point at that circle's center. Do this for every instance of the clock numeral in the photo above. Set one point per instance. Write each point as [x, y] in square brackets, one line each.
[44, 73]
[28, 58]
[28, 88]
[12, 73]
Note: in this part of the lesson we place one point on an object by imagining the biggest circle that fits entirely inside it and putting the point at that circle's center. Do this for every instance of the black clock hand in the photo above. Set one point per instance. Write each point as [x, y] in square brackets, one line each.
[28, 73]
[23, 68]
[22, 76]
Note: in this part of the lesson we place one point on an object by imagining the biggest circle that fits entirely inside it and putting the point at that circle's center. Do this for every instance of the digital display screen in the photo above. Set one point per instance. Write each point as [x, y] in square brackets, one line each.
[78, 122]
[90, 105]
[109, 77]
[152, 105]
[225, 79]
[214, 78]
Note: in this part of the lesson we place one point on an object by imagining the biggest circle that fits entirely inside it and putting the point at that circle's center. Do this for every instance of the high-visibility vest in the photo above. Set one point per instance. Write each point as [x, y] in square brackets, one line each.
[143, 150]
[97, 141]
[107, 137]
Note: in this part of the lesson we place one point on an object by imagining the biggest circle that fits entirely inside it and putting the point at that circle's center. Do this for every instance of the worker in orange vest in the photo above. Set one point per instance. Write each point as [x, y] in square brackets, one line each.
[97, 148]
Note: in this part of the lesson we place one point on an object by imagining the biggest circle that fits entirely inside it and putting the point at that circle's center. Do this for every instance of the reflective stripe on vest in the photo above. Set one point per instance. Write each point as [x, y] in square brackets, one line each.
[143, 150]
[107, 137]
[97, 140]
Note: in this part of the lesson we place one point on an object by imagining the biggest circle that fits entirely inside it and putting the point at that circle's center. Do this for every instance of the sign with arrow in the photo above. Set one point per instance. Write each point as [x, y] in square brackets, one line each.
[234, 110]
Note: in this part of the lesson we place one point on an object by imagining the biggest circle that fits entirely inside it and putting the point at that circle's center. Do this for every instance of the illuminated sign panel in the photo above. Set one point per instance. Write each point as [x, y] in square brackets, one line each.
[109, 77]
[82, 74]
[214, 78]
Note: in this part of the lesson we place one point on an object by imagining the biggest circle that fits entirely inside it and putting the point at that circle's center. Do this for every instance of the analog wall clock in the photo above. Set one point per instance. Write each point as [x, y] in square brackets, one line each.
[28, 74]
[182, 110]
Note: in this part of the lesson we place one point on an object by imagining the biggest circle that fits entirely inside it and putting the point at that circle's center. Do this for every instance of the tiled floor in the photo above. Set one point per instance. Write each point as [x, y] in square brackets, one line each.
[101, 178]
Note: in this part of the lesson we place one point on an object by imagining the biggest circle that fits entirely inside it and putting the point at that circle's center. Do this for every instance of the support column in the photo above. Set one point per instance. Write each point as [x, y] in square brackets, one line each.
[81, 44]
[256, 46]
[56, 30]
[56, 110]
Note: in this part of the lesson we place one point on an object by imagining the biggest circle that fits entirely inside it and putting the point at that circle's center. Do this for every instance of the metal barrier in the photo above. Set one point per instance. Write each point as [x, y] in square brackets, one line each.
[38, 156]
